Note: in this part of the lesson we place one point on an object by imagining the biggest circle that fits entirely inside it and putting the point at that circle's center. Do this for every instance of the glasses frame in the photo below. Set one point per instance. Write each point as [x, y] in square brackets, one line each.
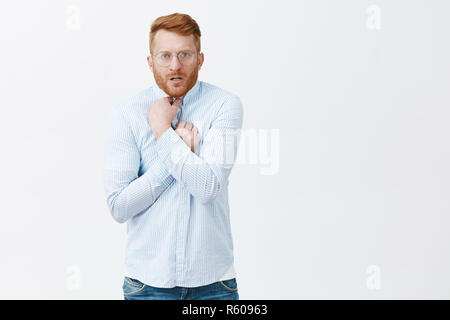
[170, 60]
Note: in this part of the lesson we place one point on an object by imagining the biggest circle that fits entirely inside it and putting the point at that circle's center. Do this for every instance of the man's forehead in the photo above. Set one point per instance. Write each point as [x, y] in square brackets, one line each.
[168, 41]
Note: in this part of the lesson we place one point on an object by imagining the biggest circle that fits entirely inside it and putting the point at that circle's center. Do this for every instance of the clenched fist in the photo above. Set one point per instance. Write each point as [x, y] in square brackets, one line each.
[189, 134]
[161, 114]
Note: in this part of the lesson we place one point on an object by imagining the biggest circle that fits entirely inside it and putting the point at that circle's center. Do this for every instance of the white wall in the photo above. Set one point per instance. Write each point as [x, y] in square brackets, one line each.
[359, 95]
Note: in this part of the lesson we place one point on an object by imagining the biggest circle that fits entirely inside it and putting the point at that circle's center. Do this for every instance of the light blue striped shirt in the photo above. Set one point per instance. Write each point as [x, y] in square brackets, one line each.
[175, 202]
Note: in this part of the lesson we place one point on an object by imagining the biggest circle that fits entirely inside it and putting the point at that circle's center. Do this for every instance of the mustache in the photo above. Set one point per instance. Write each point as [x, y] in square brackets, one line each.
[176, 75]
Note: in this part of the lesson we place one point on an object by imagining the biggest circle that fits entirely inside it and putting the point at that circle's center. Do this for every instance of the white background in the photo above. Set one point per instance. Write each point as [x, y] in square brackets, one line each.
[359, 207]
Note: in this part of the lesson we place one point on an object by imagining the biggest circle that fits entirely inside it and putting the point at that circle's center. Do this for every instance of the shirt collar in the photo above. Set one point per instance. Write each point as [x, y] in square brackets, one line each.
[188, 97]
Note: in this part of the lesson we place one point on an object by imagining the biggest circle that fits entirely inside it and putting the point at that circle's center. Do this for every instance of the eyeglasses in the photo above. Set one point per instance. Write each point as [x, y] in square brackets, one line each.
[185, 57]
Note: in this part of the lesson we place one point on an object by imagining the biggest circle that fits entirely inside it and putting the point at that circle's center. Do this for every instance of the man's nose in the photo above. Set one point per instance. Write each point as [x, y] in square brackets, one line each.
[175, 63]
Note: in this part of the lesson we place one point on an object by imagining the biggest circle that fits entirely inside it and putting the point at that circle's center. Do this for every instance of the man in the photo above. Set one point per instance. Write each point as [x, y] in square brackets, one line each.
[169, 151]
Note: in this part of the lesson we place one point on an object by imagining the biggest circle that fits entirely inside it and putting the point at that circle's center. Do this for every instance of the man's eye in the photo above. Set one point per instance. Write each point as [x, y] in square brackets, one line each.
[184, 54]
[164, 56]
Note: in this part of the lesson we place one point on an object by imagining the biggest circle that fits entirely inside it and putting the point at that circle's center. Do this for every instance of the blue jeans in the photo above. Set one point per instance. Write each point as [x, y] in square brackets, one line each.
[221, 290]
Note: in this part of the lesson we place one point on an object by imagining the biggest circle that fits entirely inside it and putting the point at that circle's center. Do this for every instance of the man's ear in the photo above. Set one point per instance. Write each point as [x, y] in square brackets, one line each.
[150, 62]
[201, 59]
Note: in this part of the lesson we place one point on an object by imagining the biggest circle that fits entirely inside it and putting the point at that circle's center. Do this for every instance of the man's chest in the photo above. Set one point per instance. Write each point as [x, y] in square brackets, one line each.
[147, 142]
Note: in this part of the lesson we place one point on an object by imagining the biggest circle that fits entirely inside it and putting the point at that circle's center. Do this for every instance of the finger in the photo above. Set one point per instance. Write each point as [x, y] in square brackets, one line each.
[177, 102]
[181, 124]
[184, 132]
[192, 140]
[189, 125]
[167, 100]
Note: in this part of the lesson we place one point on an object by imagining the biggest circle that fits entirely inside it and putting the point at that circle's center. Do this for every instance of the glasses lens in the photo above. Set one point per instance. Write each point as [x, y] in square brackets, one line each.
[186, 57]
[165, 58]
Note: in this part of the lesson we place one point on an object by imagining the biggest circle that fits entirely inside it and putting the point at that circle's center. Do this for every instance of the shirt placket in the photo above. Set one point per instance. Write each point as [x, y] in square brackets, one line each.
[183, 213]
[177, 116]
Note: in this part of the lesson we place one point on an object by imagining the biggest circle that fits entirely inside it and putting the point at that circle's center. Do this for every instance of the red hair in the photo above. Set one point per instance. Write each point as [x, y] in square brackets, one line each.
[179, 23]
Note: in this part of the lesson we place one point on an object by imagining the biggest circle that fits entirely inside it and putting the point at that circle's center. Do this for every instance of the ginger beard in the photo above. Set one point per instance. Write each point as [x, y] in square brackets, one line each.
[172, 88]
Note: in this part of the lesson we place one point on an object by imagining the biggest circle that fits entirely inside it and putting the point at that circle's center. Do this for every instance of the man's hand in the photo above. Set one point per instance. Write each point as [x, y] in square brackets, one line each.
[161, 114]
[189, 134]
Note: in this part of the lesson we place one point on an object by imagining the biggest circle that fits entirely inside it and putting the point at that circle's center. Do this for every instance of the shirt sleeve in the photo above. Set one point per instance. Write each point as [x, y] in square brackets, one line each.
[205, 175]
[127, 194]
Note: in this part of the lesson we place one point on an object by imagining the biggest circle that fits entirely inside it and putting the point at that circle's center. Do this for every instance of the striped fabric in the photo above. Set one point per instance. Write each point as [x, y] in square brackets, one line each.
[175, 202]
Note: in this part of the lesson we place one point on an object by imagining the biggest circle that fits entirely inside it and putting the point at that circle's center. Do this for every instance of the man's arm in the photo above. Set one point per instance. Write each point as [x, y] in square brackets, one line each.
[205, 175]
[126, 193]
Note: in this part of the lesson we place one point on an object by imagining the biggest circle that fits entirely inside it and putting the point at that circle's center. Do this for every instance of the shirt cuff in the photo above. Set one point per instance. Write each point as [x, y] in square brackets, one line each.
[157, 175]
[171, 149]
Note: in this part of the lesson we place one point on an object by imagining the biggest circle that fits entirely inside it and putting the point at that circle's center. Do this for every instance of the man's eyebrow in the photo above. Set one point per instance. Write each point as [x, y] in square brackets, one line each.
[181, 50]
